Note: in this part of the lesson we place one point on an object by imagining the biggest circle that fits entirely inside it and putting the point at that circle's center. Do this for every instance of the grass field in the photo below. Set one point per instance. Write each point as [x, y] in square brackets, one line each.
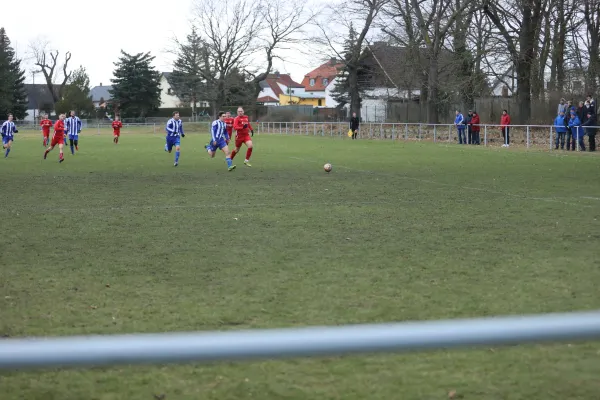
[117, 240]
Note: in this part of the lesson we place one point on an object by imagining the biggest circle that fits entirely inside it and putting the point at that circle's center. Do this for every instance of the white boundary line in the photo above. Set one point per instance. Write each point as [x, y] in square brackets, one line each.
[522, 197]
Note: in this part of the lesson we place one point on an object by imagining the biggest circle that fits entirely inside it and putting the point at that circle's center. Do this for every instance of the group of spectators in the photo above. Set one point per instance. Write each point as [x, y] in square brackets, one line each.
[572, 125]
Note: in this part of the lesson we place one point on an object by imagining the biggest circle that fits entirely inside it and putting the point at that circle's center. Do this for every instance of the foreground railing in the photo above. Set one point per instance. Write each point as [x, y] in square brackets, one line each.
[279, 343]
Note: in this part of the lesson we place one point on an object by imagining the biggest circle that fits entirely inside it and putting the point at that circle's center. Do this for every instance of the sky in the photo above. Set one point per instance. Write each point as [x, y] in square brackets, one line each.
[99, 30]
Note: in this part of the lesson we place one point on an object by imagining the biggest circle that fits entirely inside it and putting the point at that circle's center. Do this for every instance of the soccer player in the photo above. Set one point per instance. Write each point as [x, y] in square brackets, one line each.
[58, 138]
[218, 140]
[174, 134]
[116, 125]
[46, 124]
[229, 125]
[8, 134]
[73, 128]
[242, 127]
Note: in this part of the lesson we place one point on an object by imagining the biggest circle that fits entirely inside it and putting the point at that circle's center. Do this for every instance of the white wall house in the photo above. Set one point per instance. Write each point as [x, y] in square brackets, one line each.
[329, 101]
[168, 99]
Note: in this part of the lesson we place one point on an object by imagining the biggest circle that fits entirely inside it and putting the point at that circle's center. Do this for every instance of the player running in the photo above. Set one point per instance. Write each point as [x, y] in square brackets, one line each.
[58, 138]
[46, 124]
[218, 140]
[174, 134]
[229, 125]
[73, 129]
[116, 125]
[8, 134]
[242, 127]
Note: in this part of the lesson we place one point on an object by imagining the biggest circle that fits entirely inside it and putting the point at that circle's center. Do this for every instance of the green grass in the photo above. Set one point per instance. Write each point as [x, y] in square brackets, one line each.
[117, 240]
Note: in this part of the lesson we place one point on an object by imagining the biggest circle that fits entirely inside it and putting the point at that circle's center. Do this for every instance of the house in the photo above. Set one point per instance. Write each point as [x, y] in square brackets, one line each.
[100, 95]
[505, 84]
[315, 99]
[277, 87]
[322, 80]
[168, 97]
[39, 99]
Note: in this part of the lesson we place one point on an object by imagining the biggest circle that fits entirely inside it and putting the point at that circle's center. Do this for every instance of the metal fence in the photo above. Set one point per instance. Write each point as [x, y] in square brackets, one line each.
[313, 341]
[529, 136]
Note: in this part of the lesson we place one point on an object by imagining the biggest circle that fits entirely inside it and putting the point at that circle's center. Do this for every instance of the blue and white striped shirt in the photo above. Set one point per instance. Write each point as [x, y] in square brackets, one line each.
[174, 127]
[8, 129]
[72, 126]
[219, 131]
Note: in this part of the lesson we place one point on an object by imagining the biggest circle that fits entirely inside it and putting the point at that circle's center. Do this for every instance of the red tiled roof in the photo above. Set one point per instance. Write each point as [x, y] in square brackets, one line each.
[285, 79]
[267, 99]
[329, 70]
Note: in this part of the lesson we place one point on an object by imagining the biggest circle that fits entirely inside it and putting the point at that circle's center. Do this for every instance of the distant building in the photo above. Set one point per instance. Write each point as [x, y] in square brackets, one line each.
[321, 81]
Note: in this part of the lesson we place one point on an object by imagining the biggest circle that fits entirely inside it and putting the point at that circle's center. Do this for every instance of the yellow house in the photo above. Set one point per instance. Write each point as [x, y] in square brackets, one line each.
[315, 99]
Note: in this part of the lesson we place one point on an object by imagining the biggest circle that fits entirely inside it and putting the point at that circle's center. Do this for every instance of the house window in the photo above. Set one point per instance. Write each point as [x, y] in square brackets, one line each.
[169, 91]
[325, 81]
[312, 82]
[320, 104]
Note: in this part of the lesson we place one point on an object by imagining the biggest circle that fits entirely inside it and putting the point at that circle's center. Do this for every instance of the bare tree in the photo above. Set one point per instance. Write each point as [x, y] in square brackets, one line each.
[48, 62]
[435, 18]
[283, 26]
[591, 15]
[517, 23]
[361, 14]
[228, 29]
[563, 23]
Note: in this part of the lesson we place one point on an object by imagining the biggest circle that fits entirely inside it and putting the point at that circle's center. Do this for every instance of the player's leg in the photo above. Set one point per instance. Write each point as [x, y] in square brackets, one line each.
[71, 144]
[61, 155]
[48, 150]
[177, 152]
[7, 147]
[76, 141]
[238, 146]
[248, 153]
[230, 165]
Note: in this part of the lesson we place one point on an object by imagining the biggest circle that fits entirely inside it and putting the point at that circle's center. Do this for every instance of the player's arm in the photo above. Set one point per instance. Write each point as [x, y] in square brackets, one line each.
[237, 124]
[169, 127]
[213, 133]
[3, 129]
[181, 129]
[78, 125]
[251, 129]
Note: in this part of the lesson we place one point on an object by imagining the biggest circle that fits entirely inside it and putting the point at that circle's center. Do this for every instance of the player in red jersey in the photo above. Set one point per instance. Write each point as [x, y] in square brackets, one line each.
[229, 125]
[116, 125]
[243, 128]
[46, 124]
[58, 138]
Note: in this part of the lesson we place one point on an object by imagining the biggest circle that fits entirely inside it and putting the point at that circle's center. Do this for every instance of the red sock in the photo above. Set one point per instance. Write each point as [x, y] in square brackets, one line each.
[248, 153]
[233, 153]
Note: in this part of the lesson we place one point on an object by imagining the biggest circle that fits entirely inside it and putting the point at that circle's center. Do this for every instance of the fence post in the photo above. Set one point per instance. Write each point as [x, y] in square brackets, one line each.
[434, 133]
[286, 128]
[527, 136]
[406, 131]
[314, 129]
[551, 135]
[419, 131]
[393, 131]
[449, 133]
[485, 135]
[98, 131]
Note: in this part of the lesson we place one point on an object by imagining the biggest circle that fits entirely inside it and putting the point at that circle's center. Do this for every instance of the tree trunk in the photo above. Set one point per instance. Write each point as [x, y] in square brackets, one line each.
[354, 90]
[432, 89]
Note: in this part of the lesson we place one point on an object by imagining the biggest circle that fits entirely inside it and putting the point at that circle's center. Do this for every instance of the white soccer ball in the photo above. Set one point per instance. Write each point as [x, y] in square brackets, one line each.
[327, 167]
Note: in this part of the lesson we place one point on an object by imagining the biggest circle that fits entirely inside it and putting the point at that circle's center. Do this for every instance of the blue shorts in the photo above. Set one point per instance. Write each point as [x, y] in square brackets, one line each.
[6, 139]
[220, 145]
[73, 137]
[173, 141]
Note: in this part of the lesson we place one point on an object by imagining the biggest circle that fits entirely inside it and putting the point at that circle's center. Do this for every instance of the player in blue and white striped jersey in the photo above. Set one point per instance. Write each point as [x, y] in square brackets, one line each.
[218, 140]
[8, 134]
[174, 134]
[72, 129]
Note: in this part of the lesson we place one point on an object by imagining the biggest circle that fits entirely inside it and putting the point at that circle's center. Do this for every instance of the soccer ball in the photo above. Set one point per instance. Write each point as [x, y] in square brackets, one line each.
[327, 167]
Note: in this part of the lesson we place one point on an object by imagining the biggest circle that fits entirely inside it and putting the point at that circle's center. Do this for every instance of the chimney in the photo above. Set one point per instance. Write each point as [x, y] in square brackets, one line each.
[332, 61]
[100, 84]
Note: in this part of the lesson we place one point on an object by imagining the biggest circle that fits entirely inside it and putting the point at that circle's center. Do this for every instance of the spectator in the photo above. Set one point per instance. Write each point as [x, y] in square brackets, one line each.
[504, 127]
[354, 124]
[580, 111]
[590, 129]
[589, 108]
[592, 102]
[476, 128]
[561, 130]
[576, 132]
[460, 126]
[561, 106]
[469, 127]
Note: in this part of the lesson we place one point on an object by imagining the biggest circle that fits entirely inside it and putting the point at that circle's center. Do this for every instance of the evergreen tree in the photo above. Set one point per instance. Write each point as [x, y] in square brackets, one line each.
[341, 89]
[188, 78]
[239, 90]
[13, 97]
[76, 95]
[136, 86]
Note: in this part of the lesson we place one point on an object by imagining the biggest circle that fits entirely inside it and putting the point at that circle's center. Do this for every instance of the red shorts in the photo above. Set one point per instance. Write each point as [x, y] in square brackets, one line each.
[56, 139]
[46, 134]
[117, 133]
[239, 140]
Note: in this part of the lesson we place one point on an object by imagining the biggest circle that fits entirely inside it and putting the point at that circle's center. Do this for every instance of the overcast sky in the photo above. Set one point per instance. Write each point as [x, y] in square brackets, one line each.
[95, 32]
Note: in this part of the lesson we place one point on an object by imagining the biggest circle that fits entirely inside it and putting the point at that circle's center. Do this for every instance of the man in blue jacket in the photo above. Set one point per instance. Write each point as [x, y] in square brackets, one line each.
[560, 125]
[460, 126]
[577, 133]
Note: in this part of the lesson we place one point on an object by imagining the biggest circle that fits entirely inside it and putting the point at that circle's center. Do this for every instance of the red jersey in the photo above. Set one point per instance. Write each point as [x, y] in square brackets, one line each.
[229, 125]
[504, 121]
[46, 124]
[117, 125]
[238, 125]
[59, 128]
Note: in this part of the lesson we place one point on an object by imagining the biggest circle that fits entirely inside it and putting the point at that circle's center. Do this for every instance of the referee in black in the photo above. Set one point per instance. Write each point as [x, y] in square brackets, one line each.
[354, 123]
